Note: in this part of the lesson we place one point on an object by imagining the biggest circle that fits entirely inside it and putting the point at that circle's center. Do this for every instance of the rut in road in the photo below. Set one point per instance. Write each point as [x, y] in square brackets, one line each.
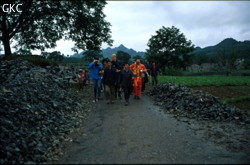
[141, 133]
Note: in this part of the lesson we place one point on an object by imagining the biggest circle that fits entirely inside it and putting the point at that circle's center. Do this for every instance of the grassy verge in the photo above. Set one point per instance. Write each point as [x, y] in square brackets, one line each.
[242, 71]
[206, 80]
[237, 99]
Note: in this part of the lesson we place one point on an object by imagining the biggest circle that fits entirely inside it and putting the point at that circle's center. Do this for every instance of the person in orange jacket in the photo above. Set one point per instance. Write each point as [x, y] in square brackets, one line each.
[137, 68]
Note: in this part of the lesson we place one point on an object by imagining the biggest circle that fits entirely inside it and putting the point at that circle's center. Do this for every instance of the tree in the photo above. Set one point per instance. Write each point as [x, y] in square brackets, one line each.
[42, 23]
[1, 49]
[227, 57]
[45, 54]
[136, 57]
[123, 56]
[90, 54]
[143, 60]
[23, 52]
[55, 56]
[200, 58]
[169, 47]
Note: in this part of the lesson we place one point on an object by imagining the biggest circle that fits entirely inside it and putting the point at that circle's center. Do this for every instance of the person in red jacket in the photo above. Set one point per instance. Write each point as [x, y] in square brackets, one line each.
[84, 77]
[137, 68]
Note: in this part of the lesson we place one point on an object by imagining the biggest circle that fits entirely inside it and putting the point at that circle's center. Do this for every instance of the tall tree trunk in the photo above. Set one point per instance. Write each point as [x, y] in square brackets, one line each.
[6, 44]
[5, 36]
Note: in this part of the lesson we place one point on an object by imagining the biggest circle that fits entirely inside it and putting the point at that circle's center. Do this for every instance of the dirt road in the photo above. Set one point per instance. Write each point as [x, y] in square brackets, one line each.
[142, 133]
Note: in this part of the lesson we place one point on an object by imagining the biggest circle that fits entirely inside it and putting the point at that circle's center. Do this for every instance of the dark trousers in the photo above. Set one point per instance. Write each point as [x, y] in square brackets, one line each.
[143, 86]
[127, 92]
[154, 80]
[117, 91]
[84, 82]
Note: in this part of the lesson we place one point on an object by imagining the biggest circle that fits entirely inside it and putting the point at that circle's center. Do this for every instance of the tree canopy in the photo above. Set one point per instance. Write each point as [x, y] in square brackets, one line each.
[90, 54]
[54, 56]
[123, 56]
[42, 23]
[169, 48]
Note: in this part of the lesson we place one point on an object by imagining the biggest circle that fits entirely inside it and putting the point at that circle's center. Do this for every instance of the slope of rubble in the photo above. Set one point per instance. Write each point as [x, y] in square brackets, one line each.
[37, 110]
[183, 101]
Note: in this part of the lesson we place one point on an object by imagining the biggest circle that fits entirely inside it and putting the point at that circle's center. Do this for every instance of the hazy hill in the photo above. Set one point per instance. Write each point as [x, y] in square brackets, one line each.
[242, 48]
[109, 51]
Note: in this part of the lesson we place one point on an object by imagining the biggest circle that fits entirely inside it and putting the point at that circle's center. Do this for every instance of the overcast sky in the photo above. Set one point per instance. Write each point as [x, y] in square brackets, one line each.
[205, 23]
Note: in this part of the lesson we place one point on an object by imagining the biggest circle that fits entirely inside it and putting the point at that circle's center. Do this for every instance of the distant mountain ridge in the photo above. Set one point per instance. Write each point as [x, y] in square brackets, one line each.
[227, 45]
[242, 48]
[109, 51]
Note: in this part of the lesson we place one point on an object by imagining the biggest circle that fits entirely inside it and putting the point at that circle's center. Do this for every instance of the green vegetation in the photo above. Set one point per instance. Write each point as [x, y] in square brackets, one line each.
[225, 48]
[42, 23]
[237, 99]
[171, 71]
[123, 56]
[169, 47]
[246, 64]
[89, 55]
[219, 72]
[225, 53]
[55, 56]
[205, 80]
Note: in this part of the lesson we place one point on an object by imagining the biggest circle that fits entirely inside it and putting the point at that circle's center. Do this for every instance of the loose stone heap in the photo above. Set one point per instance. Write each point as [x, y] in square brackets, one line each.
[36, 110]
[183, 101]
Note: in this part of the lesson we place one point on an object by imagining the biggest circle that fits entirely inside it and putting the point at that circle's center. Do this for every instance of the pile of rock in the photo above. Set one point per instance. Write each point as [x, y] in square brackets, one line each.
[36, 110]
[183, 101]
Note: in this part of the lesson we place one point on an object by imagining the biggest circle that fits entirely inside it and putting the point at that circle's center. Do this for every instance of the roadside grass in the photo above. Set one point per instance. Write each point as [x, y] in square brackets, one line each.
[240, 71]
[219, 72]
[237, 99]
[206, 80]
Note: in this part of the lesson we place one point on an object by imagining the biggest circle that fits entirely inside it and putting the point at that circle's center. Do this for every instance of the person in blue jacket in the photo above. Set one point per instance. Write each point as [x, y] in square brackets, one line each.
[95, 68]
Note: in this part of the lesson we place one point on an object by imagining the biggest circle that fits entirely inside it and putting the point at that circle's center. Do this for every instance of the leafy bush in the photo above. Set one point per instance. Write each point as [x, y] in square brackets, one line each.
[172, 71]
[246, 64]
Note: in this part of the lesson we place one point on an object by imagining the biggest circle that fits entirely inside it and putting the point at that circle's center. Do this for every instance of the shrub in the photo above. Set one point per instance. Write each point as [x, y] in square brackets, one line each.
[171, 71]
[246, 64]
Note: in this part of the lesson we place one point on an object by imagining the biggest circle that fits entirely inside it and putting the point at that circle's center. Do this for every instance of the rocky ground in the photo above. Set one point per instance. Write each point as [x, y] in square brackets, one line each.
[37, 111]
[144, 133]
[220, 123]
[44, 119]
[227, 92]
[196, 104]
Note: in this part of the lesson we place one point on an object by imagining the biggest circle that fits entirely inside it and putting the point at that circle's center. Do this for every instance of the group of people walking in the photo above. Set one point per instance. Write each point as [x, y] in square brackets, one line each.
[116, 78]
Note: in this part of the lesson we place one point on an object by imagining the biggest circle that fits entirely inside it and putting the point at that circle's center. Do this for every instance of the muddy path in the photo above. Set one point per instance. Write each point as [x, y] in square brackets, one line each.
[143, 133]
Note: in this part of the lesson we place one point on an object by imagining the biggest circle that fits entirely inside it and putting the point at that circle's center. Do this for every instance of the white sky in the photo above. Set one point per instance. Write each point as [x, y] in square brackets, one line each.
[205, 23]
